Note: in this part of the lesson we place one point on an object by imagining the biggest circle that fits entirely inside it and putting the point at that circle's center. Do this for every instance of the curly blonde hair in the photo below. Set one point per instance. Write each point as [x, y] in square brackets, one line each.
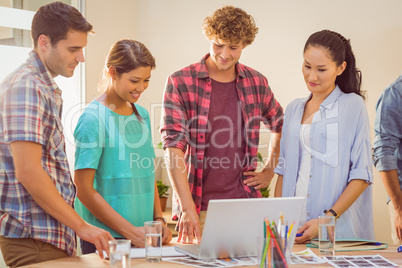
[230, 24]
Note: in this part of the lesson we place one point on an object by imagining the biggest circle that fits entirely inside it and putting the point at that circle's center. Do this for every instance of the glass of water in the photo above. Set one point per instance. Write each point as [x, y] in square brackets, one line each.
[326, 234]
[153, 241]
[119, 251]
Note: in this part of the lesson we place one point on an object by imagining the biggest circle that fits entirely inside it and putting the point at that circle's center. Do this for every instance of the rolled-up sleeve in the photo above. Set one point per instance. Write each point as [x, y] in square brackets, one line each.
[360, 155]
[388, 129]
[174, 121]
[273, 112]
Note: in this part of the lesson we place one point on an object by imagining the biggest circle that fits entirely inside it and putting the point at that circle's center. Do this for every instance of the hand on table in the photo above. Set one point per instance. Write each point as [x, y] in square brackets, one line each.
[309, 230]
[97, 236]
[137, 236]
[166, 235]
[189, 225]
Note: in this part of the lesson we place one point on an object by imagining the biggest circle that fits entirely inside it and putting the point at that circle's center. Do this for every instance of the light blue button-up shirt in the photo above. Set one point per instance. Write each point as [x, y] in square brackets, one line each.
[341, 151]
[388, 130]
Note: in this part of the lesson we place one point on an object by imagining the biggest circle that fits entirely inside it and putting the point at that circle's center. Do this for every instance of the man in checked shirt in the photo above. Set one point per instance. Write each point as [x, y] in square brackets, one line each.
[37, 218]
[211, 121]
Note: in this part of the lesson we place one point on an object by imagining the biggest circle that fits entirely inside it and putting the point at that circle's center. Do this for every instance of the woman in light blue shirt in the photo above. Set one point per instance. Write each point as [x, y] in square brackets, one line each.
[325, 146]
[114, 169]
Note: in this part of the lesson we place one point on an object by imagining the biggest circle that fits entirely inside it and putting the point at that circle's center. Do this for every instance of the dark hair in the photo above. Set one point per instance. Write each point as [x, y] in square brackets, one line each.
[125, 56]
[340, 50]
[55, 20]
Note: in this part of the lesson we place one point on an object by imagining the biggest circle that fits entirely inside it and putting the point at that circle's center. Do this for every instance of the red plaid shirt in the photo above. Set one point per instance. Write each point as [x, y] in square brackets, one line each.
[185, 116]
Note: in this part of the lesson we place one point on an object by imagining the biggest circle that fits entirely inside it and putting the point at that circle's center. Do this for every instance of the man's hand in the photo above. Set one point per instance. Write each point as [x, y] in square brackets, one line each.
[258, 180]
[97, 236]
[309, 230]
[189, 224]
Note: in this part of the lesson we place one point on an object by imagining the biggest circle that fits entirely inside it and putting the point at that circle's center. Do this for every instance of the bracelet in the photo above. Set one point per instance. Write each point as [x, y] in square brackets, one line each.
[333, 213]
[162, 219]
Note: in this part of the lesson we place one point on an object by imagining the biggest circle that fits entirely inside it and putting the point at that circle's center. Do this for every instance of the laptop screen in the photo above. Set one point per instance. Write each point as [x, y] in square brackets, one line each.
[233, 225]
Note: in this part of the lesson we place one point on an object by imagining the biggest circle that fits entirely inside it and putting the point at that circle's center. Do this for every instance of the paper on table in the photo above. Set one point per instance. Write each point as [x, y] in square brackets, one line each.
[137, 253]
[352, 244]
[305, 256]
[166, 252]
[360, 261]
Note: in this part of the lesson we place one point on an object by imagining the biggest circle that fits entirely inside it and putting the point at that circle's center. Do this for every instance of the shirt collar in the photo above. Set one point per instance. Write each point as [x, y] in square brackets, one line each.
[329, 101]
[44, 74]
[202, 71]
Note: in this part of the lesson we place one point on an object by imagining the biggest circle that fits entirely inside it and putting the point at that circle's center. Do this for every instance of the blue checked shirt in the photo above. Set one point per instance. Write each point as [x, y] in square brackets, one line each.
[30, 110]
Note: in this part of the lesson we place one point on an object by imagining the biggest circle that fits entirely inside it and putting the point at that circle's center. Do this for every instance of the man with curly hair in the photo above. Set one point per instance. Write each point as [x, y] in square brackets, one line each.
[211, 118]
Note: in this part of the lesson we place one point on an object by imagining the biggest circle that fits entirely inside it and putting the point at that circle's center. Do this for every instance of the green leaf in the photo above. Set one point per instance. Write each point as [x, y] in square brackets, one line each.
[162, 188]
[159, 146]
[265, 191]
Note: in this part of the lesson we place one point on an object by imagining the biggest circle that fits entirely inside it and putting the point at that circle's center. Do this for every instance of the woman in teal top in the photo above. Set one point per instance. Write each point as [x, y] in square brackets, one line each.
[114, 168]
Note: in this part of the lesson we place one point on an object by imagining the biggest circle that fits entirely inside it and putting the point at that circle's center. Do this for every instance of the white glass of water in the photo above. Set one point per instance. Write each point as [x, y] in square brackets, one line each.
[119, 251]
[153, 241]
[326, 234]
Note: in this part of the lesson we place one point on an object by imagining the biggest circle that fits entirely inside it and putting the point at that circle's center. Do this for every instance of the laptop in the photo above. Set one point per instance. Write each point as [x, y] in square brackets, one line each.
[233, 225]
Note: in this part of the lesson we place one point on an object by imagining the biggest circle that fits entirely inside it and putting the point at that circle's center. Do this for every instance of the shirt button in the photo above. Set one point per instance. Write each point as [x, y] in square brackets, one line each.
[308, 213]
[310, 176]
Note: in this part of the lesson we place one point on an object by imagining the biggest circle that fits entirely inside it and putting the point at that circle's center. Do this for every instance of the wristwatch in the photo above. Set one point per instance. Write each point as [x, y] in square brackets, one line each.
[333, 213]
[162, 219]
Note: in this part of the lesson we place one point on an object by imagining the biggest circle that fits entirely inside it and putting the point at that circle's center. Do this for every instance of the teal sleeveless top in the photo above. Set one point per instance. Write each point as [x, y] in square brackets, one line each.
[120, 149]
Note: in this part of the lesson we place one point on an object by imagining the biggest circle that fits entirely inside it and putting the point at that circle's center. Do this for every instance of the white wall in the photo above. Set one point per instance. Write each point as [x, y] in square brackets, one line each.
[171, 29]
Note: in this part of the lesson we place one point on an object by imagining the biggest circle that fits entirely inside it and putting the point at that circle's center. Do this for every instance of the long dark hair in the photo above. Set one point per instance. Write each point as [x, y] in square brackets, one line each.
[125, 56]
[340, 50]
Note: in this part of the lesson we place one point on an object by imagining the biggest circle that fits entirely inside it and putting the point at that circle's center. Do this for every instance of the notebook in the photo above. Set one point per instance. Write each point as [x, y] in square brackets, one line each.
[233, 225]
[352, 244]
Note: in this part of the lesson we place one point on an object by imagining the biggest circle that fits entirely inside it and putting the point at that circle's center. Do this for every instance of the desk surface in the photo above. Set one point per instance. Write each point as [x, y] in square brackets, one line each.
[93, 260]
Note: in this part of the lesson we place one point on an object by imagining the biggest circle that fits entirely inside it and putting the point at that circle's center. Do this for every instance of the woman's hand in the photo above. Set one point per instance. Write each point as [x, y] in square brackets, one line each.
[309, 230]
[137, 236]
[166, 235]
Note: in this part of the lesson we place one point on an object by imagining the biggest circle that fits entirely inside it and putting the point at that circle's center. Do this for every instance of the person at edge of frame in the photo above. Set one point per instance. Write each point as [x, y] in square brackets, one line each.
[37, 218]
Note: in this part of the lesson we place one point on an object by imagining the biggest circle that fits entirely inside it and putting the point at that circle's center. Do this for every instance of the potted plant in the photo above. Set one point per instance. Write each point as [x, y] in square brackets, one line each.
[264, 191]
[163, 194]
